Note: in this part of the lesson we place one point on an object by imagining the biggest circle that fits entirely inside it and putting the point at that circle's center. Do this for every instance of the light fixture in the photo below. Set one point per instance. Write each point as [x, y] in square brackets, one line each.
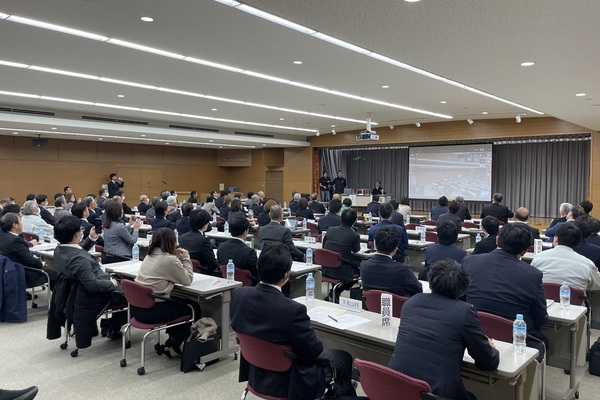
[167, 143]
[213, 109]
[318, 133]
[282, 119]
[518, 119]
[147, 19]
[53, 128]
[333, 132]
[143, 135]
[391, 126]
[485, 113]
[121, 95]
[470, 121]
[333, 126]
[580, 94]
[298, 62]
[443, 102]
[100, 138]
[385, 87]
[412, 1]
[527, 64]
[15, 133]
[418, 124]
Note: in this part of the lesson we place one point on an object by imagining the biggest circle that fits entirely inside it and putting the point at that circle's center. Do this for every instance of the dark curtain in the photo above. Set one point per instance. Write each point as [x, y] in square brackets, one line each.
[529, 173]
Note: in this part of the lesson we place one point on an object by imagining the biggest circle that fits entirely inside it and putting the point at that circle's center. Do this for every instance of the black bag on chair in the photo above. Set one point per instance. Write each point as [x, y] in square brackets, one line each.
[595, 358]
[193, 350]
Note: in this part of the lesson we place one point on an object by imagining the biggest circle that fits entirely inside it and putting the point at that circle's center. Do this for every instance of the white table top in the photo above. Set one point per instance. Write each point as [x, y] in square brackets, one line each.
[511, 364]
[145, 227]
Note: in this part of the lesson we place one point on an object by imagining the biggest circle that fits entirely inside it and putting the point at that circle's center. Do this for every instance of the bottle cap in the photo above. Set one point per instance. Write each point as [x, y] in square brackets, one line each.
[230, 260]
[564, 283]
[310, 274]
[520, 316]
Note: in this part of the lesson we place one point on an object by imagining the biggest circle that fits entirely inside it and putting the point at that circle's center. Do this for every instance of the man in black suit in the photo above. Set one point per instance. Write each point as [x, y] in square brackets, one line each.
[385, 213]
[144, 205]
[522, 216]
[315, 206]
[256, 207]
[81, 211]
[114, 185]
[159, 221]
[95, 212]
[275, 232]
[383, 273]
[16, 249]
[262, 311]
[42, 202]
[397, 218]
[294, 203]
[504, 285]
[183, 224]
[563, 210]
[594, 226]
[497, 210]
[441, 208]
[373, 206]
[436, 328]
[490, 226]
[219, 199]
[587, 206]
[451, 216]
[332, 218]
[447, 235]
[339, 183]
[235, 249]
[584, 247]
[198, 245]
[463, 210]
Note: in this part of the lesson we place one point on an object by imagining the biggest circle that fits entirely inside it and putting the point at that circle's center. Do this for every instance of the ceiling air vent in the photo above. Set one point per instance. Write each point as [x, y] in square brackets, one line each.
[253, 134]
[193, 128]
[25, 111]
[115, 120]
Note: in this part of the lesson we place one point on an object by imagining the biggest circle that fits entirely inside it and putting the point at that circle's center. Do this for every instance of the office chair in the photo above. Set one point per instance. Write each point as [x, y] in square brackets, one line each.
[240, 275]
[373, 301]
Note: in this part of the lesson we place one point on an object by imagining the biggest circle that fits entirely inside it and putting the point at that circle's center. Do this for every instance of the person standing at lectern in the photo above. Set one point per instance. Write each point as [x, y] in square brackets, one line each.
[377, 189]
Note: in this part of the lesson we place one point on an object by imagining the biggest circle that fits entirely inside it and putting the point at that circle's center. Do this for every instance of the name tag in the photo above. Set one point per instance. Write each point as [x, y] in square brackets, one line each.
[386, 310]
[351, 304]
[310, 239]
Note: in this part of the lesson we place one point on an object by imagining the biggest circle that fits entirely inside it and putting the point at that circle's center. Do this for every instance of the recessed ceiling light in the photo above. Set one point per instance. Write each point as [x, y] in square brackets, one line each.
[484, 112]
[214, 109]
[147, 19]
[264, 145]
[333, 126]
[298, 62]
[385, 86]
[53, 128]
[143, 135]
[412, 1]
[443, 101]
[210, 141]
[121, 95]
[15, 133]
[282, 119]
[167, 143]
[580, 94]
[100, 138]
[527, 64]
[220, 147]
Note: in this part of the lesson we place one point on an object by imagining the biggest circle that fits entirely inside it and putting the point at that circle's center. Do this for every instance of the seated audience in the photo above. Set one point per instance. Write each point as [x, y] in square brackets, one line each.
[563, 210]
[303, 210]
[236, 210]
[404, 207]
[193, 197]
[463, 210]
[221, 198]
[199, 245]
[102, 197]
[42, 202]
[383, 273]
[275, 232]
[447, 235]
[120, 197]
[451, 216]
[163, 267]
[522, 216]
[436, 328]
[385, 215]
[346, 204]
[263, 311]
[95, 213]
[490, 226]
[441, 208]
[562, 263]
[81, 211]
[210, 207]
[573, 213]
[60, 208]
[332, 218]
[160, 220]
[502, 213]
[248, 202]
[33, 222]
[172, 213]
[183, 224]
[118, 237]
[144, 205]
[151, 213]
[504, 285]
[587, 206]
[263, 218]
[373, 206]
[594, 238]
[315, 206]
[397, 218]
[584, 223]
[224, 210]
[344, 240]
[243, 256]
[256, 207]
[294, 202]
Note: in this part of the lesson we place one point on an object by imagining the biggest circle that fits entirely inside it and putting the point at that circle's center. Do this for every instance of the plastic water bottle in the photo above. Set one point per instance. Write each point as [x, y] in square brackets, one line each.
[423, 236]
[135, 252]
[478, 238]
[226, 227]
[407, 219]
[230, 271]
[41, 237]
[310, 287]
[519, 334]
[214, 217]
[565, 297]
[309, 256]
[370, 216]
[251, 213]
[176, 237]
[284, 204]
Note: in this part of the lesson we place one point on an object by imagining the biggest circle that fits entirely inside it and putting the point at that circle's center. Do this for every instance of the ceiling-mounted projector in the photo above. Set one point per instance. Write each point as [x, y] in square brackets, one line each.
[367, 135]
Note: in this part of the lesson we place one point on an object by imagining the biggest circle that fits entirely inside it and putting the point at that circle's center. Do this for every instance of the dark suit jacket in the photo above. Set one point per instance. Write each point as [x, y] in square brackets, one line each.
[502, 213]
[293, 206]
[183, 225]
[383, 273]
[403, 242]
[158, 223]
[463, 212]
[438, 252]
[263, 218]
[257, 209]
[16, 248]
[329, 220]
[47, 216]
[434, 332]
[86, 228]
[143, 207]
[219, 202]
[224, 212]
[557, 220]
[451, 218]
[200, 249]
[593, 239]
[306, 213]
[275, 232]
[505, 286]
[397, 218]
[588, 250]
[373, 207]
[264, 312]
[437, 211]
[486, 245]
[243, 256]
[345, 241]
[95, 217]
[114, 187]
[317, 207]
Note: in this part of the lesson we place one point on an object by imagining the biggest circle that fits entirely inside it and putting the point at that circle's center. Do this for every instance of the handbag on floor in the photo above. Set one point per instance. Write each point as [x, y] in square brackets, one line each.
[204, 339]
[595, 358]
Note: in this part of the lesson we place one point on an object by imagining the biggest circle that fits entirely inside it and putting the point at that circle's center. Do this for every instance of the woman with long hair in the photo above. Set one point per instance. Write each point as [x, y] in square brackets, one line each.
[118, 237]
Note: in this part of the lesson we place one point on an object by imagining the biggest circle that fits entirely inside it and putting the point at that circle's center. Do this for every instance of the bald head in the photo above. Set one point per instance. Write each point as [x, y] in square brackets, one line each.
[522, 214]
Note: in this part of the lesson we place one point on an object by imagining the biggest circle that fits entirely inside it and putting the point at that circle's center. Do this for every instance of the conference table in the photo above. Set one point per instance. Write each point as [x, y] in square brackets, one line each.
[515, 378]
[46, 252]
[211, 292]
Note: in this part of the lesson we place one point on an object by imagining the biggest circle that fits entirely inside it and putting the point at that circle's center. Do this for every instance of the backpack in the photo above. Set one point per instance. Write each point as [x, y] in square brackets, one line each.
[193, 350]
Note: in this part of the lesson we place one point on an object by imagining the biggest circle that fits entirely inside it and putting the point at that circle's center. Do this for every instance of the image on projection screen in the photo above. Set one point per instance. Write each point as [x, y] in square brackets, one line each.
[464, 170]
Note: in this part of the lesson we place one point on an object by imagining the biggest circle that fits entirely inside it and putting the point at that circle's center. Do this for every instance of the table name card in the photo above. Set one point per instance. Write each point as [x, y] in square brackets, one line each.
[351, 304]
[310, 239]
[386, 310]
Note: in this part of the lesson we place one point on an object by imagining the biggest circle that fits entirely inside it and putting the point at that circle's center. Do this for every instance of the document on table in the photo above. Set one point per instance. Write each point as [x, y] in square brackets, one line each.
[335, 317]
[549, 302]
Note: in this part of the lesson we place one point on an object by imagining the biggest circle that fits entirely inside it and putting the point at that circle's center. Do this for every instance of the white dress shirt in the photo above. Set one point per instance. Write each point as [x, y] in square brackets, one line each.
[35, 224]
[562, 263]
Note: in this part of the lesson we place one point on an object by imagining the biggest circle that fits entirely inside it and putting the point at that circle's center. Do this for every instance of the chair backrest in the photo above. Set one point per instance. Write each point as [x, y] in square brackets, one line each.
[429, 222]
[29, 236]
[411, 227]
[552, 290]
[373, 300]
[469, 225]
[327, 258]
[240, 275]
[220, 219]
[432, 237]
[496, 327]
[196, 266]
[137, 295]
[100, 249]
[265, 355]
[313, 228]
[383, 383]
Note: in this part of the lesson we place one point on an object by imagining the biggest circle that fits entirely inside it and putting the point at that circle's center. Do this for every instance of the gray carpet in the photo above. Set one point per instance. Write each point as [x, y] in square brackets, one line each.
[28, 358]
